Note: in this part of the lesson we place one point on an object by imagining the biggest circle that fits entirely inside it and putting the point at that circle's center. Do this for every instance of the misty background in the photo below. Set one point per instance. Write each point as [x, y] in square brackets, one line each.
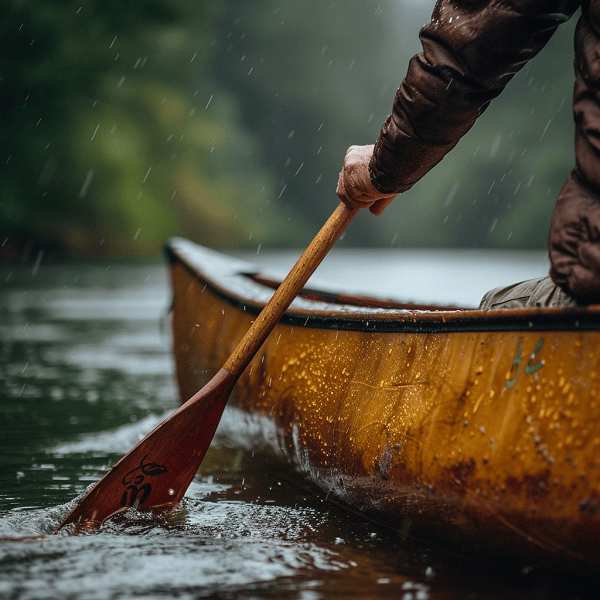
[227, 122]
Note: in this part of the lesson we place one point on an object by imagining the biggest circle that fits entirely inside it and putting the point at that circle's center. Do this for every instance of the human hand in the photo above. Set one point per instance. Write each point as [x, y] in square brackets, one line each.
[355, 188]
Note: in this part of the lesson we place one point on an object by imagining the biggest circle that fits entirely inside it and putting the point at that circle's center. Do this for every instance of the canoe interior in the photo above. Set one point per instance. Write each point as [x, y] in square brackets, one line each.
[348, 299]
[481, 429]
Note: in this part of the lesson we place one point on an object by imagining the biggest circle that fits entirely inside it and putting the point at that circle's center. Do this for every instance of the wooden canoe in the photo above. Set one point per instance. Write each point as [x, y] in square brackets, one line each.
[481, 429]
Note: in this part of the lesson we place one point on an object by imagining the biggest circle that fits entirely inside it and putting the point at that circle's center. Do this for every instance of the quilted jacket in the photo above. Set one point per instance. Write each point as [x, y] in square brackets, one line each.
[471, 50]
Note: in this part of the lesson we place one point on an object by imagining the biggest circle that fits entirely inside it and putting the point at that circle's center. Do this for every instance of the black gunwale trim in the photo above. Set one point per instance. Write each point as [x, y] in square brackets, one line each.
[417, 321]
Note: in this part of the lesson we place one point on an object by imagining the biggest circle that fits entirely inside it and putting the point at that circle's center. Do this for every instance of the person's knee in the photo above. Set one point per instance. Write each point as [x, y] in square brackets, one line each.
[533, 293]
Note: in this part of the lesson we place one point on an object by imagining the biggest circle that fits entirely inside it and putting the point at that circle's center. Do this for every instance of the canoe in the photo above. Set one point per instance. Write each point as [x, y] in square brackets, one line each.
[478, 429]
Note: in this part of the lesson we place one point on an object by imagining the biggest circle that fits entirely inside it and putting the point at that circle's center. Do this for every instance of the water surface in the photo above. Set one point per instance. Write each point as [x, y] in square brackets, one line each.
[86, 371]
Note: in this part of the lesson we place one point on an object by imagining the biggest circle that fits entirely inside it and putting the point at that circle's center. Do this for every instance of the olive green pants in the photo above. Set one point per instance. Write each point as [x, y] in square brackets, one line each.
[534, 293]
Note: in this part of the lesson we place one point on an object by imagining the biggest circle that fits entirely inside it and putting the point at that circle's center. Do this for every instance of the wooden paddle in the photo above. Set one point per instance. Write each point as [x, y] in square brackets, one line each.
[156, 473]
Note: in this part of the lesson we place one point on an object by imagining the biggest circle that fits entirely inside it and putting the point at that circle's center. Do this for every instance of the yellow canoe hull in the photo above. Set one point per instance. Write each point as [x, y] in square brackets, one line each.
[479, 429]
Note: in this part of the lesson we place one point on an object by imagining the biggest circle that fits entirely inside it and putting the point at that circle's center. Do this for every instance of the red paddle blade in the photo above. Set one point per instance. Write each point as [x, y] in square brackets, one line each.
[156, 473]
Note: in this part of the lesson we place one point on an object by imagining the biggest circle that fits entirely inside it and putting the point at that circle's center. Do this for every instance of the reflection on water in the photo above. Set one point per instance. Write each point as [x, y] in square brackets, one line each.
[85, 372]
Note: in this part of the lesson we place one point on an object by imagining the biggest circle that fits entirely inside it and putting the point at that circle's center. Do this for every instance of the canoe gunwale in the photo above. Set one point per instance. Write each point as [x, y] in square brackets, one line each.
[325, 310]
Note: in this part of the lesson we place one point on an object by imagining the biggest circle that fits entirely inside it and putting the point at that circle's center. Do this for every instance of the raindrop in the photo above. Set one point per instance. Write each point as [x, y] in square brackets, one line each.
[452, 194]
[545, 129]
[518, 186]
[38, 262]
[86, 184]
[495, 146]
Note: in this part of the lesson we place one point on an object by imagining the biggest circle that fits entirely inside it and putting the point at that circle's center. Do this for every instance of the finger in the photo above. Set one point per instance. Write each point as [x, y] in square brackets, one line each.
[340, 190]
[350, 196]
[378, 207]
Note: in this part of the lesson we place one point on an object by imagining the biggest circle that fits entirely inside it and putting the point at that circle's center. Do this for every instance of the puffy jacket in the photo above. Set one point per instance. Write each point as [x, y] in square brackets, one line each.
[471, 50]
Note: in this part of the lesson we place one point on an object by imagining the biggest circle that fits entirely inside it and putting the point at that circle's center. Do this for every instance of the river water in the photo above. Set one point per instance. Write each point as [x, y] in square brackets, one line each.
[86, 371]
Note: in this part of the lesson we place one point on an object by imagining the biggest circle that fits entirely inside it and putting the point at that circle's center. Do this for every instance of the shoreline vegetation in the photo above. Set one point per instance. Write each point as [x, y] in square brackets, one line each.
[227, 123]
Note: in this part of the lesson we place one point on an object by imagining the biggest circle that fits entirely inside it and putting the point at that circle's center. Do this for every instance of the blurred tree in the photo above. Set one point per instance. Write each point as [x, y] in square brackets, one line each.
[110, 140]
[315, 77]
[228, 121]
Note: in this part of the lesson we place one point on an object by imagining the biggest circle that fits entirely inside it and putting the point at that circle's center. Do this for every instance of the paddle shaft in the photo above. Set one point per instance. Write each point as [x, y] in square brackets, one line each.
[156, 473]
[288, 289]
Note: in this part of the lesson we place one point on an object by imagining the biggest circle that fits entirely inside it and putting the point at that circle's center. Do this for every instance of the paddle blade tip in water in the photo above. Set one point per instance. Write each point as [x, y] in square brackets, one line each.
[156, 473]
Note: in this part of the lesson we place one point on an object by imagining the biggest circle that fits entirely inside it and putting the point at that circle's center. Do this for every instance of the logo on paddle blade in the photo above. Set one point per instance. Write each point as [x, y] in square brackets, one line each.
[137, 491]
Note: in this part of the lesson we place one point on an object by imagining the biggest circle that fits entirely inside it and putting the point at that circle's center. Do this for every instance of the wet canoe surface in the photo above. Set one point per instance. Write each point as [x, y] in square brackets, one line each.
[481, 430]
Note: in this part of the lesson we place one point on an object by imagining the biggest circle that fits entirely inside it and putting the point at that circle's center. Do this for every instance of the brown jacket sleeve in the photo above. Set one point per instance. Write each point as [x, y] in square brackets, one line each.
[471, 50]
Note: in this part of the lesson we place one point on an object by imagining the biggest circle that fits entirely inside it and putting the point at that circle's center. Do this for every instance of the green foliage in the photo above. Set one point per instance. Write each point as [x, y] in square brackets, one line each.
[126, 123]
[115, 136]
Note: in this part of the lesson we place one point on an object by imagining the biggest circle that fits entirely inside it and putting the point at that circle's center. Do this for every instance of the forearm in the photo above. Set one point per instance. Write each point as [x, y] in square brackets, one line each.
[471, 50]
